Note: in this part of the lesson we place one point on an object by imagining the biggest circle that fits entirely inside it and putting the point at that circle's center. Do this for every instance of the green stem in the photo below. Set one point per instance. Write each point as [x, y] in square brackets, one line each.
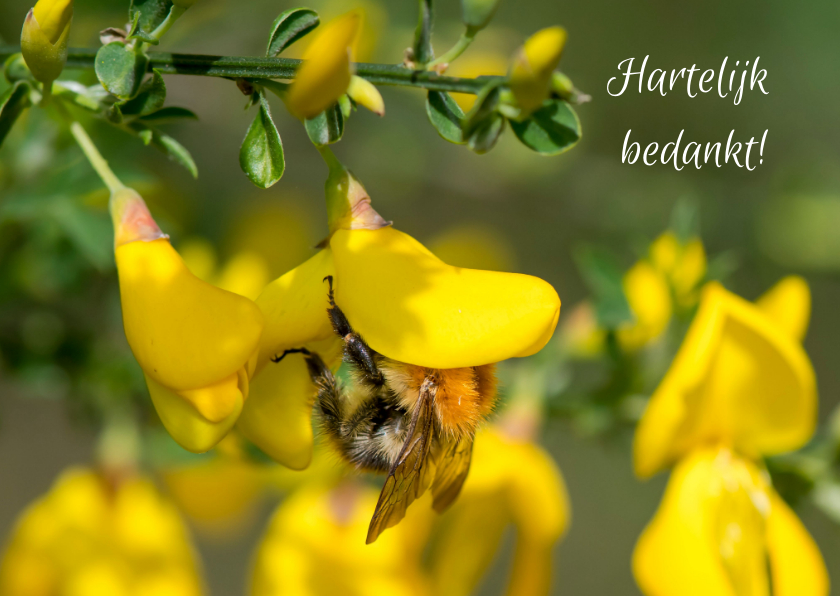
[95, 158]
[463, 43]
[276, 68]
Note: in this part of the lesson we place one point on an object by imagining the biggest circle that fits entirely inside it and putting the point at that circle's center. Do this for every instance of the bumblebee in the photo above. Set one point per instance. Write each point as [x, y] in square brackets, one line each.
[414, 423]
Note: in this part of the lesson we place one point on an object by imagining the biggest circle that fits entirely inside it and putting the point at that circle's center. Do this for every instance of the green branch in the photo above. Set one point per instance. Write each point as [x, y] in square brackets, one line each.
[275, 68]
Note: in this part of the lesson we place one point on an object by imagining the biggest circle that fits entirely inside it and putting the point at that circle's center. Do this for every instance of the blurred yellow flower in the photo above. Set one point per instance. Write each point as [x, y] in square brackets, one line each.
[475, 64]
[739, 379]
[532, 65]
[43, 40]
[326, 70]
[94, 536]
[649, 298]
[511, 481]
[245, 273]
[684, 265]
[720, 529]
[315, 546]
[475, 247]
[196, 343]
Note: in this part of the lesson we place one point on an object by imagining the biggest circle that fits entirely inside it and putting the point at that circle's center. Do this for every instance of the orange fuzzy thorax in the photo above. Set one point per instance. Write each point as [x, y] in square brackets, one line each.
[463, 396]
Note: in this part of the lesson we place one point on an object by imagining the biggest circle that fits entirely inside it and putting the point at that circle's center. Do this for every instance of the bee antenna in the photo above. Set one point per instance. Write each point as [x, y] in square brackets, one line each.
[276, 359]
[329, 279]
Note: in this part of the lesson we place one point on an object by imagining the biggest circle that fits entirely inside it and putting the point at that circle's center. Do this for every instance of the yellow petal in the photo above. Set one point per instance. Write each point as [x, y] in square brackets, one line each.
[530, 73]
[411, 306]
[53, 17]
[788, 305]
[649, 298]
[510, 481]
[737, 379]
[366, 94]
[190, 429]
[277, 415]
[690, 271]
[295, 308]
[796, 565]
[184, 332]
[665, 252]
[325, 73]
[708, 536]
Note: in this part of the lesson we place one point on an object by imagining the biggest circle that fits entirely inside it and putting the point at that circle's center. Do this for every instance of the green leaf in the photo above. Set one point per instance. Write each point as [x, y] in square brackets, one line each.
[150, 99]
[15, 69]
[261, 154]
[90, 98]
[446, 116]
[551, 130]
[604, 278]
[168, 114]
[477, 14]
[486, 133]
[485, 104]
[12, 104]
[149, 14]
[120, 70]
[827, 498]
[289, 27]
[327, 127]
[175, 150]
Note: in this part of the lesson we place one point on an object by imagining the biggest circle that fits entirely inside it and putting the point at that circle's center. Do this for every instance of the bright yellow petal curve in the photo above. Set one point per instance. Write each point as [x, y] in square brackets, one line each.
[184, 332]
[788, 305]
[737, 380]
[185, 423]
[295, 308]
[796, 565]
[277, 415]
[411, 306]
[708, 536]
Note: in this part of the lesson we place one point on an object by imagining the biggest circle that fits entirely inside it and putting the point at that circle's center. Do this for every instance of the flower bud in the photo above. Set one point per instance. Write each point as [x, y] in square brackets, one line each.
[43, 39]
[366, 94]
[348, 203]
[533, 64]
[326, 70]
[477, 14]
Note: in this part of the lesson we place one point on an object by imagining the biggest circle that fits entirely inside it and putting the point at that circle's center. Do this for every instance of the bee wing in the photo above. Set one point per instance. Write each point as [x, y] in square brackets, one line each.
[453, 464]
[410, 475]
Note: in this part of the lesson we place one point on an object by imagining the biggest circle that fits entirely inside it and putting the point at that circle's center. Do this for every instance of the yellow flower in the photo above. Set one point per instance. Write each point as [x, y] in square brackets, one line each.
[684, 264]
[532, 65]
[740, 378]
[649, 298]
[717, 528]
[366, 94]
[196, 343]
[326, 70]
[315, 546]
[43, 40]
[474, 65]
[511, 482]
[92, 535]
[407, 304]
[219, 494]
[245, 273]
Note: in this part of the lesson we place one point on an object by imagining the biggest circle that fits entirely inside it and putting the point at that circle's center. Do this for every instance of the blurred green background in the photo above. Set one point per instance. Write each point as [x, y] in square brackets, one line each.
[781, 218]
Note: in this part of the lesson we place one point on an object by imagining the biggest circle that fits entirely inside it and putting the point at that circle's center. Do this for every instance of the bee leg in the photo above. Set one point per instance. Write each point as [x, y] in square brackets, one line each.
[355, 348]
[329, 398]
[276, 359]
